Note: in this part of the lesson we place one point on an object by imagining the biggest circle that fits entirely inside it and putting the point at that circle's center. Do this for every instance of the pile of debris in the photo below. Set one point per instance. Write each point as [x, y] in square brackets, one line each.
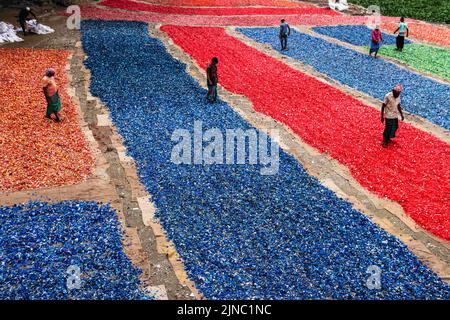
[8, 33]
[33, 26]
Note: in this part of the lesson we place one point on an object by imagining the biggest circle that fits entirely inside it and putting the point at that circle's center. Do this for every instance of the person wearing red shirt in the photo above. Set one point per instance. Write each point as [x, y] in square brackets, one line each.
[377, 37]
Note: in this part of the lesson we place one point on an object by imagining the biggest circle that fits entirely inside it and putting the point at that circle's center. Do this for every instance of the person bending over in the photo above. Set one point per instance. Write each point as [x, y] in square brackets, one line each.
[24, 15]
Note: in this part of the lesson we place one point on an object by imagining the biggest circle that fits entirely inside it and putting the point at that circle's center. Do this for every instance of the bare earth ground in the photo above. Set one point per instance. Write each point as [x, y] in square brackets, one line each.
[115, 179]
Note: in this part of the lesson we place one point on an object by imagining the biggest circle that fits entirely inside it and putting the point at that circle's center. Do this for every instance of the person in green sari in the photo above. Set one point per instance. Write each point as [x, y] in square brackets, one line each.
[51, 95]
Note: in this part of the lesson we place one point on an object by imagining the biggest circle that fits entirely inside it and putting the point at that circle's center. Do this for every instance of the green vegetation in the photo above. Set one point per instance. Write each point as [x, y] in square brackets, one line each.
[427, 10]
[422, 58]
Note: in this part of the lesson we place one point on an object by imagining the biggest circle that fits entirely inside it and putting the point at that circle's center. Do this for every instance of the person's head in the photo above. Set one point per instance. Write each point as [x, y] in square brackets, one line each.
[402, 19]
[215, 60]
[397, 90]
[283, 21]
[50, 72]
[377, 27]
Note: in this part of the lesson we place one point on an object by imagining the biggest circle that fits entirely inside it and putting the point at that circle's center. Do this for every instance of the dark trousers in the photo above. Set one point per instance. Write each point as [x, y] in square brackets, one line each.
[400, 41]
[212, 93]
[22, 25]
[283, 40]
[391, 126]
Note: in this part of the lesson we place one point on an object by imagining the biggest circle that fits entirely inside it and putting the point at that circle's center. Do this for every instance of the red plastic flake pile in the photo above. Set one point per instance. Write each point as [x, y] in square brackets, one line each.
[230, 3]
[90, 12]
[138, 6]
[424, 31]
[36, 152]
[413, 171]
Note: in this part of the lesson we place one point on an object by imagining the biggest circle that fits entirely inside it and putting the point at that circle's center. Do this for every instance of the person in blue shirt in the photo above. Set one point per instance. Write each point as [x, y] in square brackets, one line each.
[402, 30]
[285, 31]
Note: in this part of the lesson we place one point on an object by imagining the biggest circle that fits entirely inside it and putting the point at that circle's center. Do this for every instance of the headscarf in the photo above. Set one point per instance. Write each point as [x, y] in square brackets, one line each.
[50, 72]
[398, 88]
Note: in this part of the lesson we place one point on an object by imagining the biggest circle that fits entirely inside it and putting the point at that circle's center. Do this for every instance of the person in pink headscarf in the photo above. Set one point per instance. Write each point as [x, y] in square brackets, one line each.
[390, 110]
[375, 44]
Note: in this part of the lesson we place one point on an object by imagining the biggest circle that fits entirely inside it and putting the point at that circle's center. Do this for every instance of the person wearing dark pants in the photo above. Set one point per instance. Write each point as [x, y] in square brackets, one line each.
[390, 110]
[24, 16]
[212, 80]
[285, 31]
[402, 30]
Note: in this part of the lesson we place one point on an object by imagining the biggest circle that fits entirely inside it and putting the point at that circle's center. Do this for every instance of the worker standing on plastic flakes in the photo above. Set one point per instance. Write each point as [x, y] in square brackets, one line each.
[51, 95]
[285, 32]
[23, 17]
[376, 41]
[211, 74]
[390, 110]
[402, 31]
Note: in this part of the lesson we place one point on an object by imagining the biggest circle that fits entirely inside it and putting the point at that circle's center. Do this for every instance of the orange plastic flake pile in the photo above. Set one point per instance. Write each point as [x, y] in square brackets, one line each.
[427, 32]
[36, 152]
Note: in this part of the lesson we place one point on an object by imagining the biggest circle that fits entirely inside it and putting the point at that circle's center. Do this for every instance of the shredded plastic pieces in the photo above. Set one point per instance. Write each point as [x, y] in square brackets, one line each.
[242, 20]
[356, 35]
[413, 172]
[36, 152]
[241, 235]
[229, 11]
[67, 250]
[375, 77]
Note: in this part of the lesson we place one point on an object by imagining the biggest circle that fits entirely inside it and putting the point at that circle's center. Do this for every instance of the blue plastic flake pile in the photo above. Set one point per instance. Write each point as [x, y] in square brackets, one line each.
[356, 35]
[375, 77]
[241, 235]
[42, 245]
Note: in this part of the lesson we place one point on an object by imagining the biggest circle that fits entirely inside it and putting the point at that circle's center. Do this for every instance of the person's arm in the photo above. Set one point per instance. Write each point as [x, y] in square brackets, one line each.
[47, 98]
[407, 31]
[289, 30]
[382, 112]
[400, 110]
[396, 30]
[32, 13]
[45, 83]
